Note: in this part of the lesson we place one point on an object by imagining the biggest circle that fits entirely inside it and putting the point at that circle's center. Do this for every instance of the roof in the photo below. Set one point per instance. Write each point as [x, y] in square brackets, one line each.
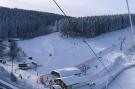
[68, 71]
[57, 86]
[74, 79]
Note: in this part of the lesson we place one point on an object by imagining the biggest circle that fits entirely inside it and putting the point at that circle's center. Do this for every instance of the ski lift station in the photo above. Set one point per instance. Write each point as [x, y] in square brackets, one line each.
[65, 72]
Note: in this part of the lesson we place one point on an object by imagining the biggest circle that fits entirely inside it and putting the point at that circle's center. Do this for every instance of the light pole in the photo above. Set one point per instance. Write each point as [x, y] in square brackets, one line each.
[131, 24]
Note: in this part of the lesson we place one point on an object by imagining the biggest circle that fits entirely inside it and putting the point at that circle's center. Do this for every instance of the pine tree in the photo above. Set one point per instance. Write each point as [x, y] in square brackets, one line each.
[93, 26]
[1, 48]
[13, 50]
[18, 23]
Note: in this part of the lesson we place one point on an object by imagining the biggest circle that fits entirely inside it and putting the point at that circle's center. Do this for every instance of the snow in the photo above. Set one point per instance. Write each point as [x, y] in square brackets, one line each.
[113, 70]
[53, 52]
[126, 80]
[67, 71]
[57, 86]
[7, 84]
[75, 80]
[70, 52]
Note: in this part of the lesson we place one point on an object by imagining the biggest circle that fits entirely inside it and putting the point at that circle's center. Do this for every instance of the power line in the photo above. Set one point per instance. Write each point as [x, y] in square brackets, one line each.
[59, 7]
[98, 58]
[131, 23]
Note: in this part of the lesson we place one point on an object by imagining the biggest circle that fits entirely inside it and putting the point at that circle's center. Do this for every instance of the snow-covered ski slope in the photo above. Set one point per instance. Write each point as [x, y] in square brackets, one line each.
[54, 52]
[68, 52]
[126, 79]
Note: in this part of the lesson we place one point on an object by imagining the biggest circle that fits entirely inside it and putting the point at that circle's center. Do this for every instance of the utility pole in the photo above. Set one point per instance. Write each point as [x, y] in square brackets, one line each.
[131, 24]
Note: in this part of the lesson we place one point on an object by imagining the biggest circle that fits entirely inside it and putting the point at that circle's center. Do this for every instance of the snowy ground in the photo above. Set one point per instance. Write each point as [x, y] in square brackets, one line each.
[73, 52]
[69, 52]
[7, 84]
[126, 80]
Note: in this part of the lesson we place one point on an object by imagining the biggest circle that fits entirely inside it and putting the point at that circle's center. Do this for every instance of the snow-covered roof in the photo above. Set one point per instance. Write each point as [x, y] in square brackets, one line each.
[75, 79]
[57, 86]
[64, 72]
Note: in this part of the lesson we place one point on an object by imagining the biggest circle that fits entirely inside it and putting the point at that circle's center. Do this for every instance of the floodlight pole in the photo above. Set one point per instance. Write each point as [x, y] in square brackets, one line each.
[131, 24]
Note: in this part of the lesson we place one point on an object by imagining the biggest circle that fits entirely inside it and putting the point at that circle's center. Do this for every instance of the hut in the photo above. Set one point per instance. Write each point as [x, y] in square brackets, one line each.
[65, 72]
[25, 66]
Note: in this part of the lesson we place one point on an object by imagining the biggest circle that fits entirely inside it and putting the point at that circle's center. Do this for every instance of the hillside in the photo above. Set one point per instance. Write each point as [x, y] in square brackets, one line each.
[52, 52]
[126, 80]
[67, 52]
[72, 50]
[92, 46]
[19, 23]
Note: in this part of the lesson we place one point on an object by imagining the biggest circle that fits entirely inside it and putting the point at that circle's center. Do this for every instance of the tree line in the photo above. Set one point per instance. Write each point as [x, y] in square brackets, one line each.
[94, 25]
[19, 23]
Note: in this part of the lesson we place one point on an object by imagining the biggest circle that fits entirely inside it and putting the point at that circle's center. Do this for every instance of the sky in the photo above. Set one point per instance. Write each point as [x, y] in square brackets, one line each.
[75, 8]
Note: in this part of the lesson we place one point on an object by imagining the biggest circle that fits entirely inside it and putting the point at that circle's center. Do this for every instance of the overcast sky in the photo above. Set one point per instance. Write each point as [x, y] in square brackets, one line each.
[73, 7]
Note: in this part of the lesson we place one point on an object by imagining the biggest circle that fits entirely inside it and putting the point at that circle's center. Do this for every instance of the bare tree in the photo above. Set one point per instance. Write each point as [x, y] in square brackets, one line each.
[84, 68]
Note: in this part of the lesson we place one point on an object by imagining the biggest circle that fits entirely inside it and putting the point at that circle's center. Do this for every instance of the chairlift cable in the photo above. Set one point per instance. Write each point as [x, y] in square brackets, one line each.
[90, 48]
[59, 7]
[131, 23]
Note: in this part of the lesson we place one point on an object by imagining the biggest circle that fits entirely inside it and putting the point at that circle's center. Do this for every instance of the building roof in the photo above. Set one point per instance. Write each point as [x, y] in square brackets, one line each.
[68, 71]
[75, 79]
[57, 86]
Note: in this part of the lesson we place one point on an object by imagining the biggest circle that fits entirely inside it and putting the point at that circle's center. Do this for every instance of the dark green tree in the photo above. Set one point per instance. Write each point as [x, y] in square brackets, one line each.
[13, 50]
[19, 23]
[1, 49]
[93, 26]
